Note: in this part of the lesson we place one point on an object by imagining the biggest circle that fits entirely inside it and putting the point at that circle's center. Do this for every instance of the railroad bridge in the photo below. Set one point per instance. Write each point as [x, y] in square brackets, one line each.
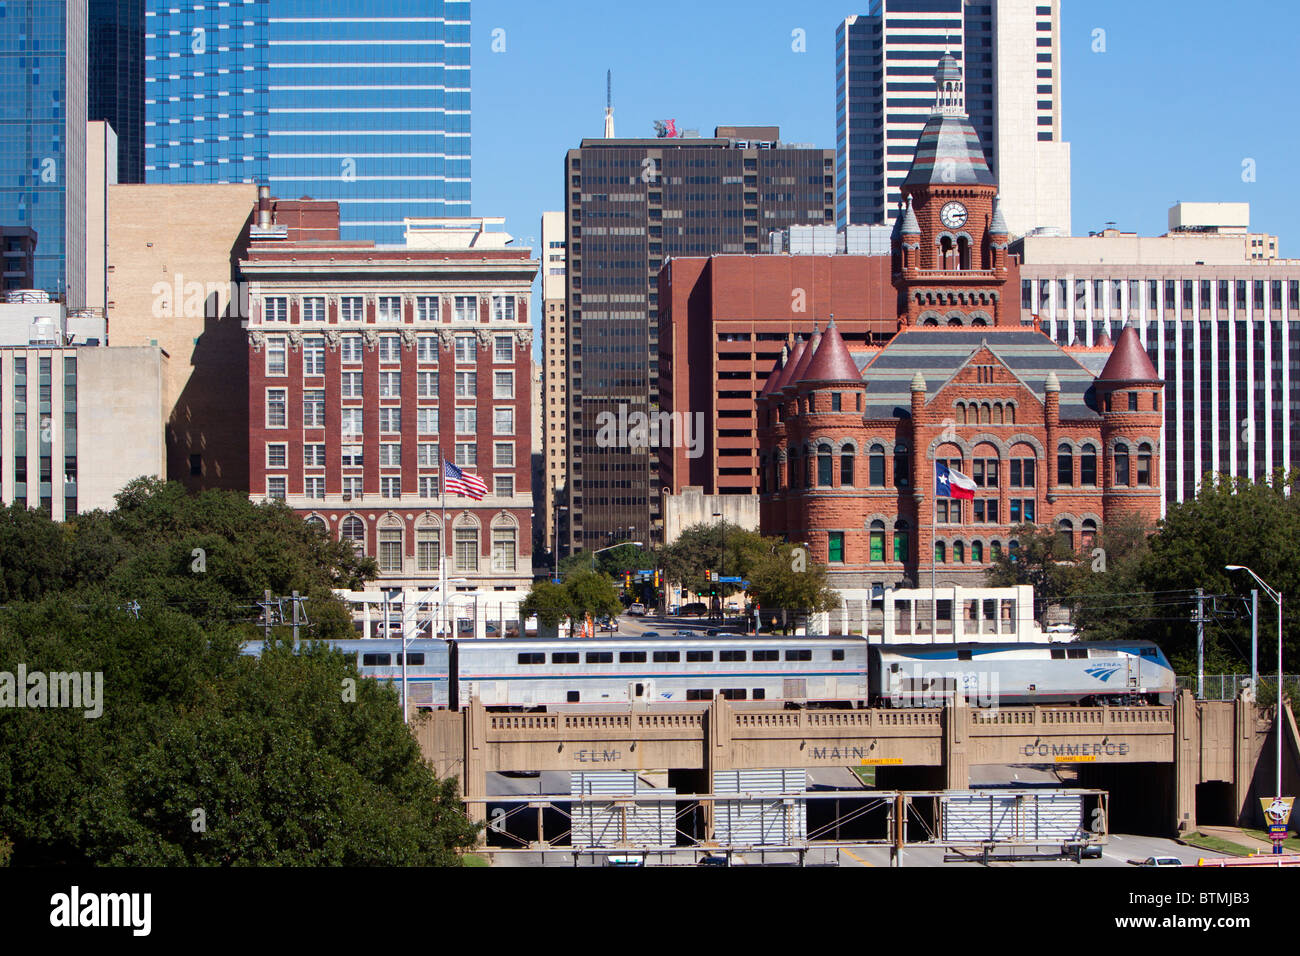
[1162, 764]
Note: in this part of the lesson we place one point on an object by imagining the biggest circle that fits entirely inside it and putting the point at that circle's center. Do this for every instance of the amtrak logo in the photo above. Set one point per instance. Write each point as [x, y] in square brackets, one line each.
[1103, 672]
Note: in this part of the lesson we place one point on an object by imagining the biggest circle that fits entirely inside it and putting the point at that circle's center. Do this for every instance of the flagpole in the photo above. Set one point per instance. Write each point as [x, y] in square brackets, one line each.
[442, 546]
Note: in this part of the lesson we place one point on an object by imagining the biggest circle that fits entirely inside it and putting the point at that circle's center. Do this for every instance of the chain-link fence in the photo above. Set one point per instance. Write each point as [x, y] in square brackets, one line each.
[1228, 686]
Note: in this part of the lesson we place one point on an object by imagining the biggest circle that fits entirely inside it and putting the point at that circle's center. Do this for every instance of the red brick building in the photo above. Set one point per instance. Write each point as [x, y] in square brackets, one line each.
[369, 364]
[847, 440]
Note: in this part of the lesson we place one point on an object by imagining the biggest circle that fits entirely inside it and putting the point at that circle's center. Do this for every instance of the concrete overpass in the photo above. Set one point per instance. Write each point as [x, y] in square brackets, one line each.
[1159, 760]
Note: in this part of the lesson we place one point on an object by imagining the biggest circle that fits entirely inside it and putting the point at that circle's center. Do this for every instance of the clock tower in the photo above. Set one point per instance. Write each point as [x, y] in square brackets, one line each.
[950, 261]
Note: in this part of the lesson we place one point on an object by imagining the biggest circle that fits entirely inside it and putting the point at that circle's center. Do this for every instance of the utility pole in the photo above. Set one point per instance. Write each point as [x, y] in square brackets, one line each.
[266, 608]
[296, 605]
[1254, 642]
[1200, 644]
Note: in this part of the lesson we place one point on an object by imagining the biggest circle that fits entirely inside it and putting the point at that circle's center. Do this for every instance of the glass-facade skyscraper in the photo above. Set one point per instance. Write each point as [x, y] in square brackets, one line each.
[368, 105]
[43, 137]
[116, 88]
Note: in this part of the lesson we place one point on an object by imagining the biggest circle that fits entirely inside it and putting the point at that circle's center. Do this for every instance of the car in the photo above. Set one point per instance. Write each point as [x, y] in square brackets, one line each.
[607, 624]
[1158, 861]
[694, 609]
[651, 634]
[629, 859]
[712, 859]
[686, 634]
[638, 609]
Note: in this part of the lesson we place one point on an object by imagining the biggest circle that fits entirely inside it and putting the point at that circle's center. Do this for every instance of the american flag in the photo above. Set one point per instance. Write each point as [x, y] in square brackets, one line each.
[459, 483]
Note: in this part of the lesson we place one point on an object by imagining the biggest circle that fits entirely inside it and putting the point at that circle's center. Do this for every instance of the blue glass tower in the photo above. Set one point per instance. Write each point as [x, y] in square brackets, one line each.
[368, 105]
[43, 137]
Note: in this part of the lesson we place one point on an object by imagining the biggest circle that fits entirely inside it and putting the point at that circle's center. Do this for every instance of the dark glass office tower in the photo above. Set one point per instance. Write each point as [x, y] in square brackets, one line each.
[630, 204]
[43, 137]
[116, 79]
[365, 105]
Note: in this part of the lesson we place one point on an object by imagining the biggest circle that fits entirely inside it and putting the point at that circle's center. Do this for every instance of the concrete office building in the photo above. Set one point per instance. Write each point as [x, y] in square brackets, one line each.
[1010, 51]
[631, 204]
[555, 351]
[43, 138]
[101, 173]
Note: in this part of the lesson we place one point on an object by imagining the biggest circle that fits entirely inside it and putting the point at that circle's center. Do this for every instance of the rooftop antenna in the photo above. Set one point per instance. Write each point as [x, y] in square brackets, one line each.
[609, 104]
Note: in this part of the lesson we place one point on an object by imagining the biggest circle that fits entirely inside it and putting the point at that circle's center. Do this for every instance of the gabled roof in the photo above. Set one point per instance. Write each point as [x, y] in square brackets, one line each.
[832, 361]
[1129, 361]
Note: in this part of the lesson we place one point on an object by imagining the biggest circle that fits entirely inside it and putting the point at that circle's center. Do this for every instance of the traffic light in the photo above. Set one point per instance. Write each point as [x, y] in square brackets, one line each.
[656, 577]
[627, 579]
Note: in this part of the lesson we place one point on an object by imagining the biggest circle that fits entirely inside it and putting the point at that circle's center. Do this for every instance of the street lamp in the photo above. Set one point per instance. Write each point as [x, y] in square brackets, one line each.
[558, 509]
[1277, 725]
[722, 564]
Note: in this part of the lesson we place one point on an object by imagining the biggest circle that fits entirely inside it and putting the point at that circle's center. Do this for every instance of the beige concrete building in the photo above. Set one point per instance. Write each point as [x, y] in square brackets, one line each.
[173, 252]
[554, 260]
[1222, 219]
[101, 173]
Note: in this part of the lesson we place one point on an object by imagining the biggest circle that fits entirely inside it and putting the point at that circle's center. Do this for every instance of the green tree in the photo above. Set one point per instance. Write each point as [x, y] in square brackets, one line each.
[591, 592]
[782, 577]
[1041, 559]
[549, 602]
[699, 549]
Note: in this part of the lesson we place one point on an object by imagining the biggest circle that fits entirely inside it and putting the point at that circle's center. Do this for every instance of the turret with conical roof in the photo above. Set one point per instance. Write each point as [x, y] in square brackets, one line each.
[832, 361]
[1128, 394]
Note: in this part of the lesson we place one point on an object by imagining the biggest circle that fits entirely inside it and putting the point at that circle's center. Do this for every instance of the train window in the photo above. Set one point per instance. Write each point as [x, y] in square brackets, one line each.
[1058, 653]
[799, 654]
[695, 693]
[567, 657]
[837, 654]
[631, 657]
[759, 693]
[532, 658]
[571, 697]
[1076, 653]
[963, 655]
[733, 693]
[375, 660]
[1150, 651]
[600, 657]
[696, 657]
[766, 655]
[415, 660]
[732, 655]
[667, 657]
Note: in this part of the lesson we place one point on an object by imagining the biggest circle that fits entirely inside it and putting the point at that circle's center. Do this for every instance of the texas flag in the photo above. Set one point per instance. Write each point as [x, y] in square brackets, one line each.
[950, 483]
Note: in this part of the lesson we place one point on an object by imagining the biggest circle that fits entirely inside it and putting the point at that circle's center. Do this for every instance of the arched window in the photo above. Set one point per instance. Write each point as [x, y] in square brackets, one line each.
[986, 414]
[1088, 465]
[1011, 414]
[977, 552]
[1121, 466]
[846, 466]
[958, 552]
[995, 550]
[876, 466]
[825, 466]
[902, 541]
[940, 553]
[505, 544]
[946, 252]
[466, 544]
[428, 545]
[954, 321]
[963, 253]
[902, 467]
[792, 469]
[354, 530]
[316, 522]
[877, 550]
[1144, 465]
[997, 413]
[1088, 535]
[1064, 465]
[1065, 531]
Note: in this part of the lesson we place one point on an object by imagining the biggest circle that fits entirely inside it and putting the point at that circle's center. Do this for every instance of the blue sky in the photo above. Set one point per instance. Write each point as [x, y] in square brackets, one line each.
[1185, 92]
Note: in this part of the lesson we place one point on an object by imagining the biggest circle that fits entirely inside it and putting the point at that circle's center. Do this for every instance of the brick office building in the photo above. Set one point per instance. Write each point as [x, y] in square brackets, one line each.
[847, 443]
[367, 362]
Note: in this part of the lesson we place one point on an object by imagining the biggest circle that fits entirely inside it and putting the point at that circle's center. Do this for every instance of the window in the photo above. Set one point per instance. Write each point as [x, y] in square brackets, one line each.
[503, 385]
[466, 549]
[350, 385]
[846, 467]
[466, 421]
[1022, 510]
[390, 486]
[276, 355]
[564, 657]
[390, 419]
[698, 693]
[275, 309]
[428, 485]
[427, 548]
[1088, 534]
[835, 548]
[1088, 465]
[277, 455]
[467, 454]
[600, 657]
[732, 657]
[948, 511]
[276, 488]
[390, 455]
[313, 456]
[902, 467]
[390, 549]
[1022, 472]
[503, 454]
[313, 355]
[876, 466]
[940, 553]
[503, 308]
[313, 308]
[376, 660]
[313, 408]
[902, 542]
[759, 655]
[351, 348]
[985, 472]
[351, 309]
[1144, 465]
[1064, 465]
[352, 530]
[503, 549]
[824, 466]
[958, 552]
[503, 421]
[503, 349]
[390, 309]
[426, 348]
[466, 384]
[277, 408]
[877, 541]
[426, 384]
[390, 349]
[351, 423]
[631, 657]
[1065, 531]
[426, 456]
[836, 402]
[426, 310]
[427, 420]
[667, 657]
[466, 309]
[985, 510]
[1121, 465]
[976, 552]
[699, 657]
[531, 658]
[352, 456]
[504, 486]
[466, 349]
[799, 654]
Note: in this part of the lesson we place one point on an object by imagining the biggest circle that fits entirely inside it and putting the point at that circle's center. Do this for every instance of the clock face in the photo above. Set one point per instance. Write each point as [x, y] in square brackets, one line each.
[953, 215]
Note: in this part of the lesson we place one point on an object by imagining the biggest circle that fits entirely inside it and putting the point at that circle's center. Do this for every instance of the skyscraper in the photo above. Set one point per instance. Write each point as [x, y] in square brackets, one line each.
[1010, 51]
[43, 138]
[316, 97]
[630, 204]
[116, 79]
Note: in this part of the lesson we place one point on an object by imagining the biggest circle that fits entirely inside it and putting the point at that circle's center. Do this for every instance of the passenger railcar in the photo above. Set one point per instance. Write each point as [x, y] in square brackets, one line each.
[1088, 672]
[427, 665]
[535, 673]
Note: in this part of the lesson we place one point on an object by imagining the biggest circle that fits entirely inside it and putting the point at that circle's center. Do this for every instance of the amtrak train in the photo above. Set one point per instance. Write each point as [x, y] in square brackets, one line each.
[827, 672]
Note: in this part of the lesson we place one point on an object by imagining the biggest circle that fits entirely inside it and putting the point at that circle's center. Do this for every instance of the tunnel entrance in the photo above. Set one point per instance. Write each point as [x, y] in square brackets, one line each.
[1141, 796]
